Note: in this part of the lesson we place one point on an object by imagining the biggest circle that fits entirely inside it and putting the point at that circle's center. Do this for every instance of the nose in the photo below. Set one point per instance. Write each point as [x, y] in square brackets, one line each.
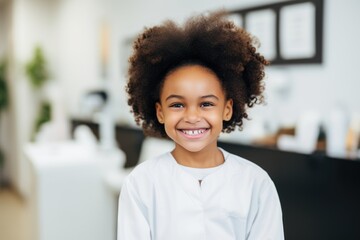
[192, 115]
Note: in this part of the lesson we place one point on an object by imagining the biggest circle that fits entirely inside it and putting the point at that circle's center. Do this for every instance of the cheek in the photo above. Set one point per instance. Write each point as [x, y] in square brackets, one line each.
[171, 119]
[215, 117]
[170, 124]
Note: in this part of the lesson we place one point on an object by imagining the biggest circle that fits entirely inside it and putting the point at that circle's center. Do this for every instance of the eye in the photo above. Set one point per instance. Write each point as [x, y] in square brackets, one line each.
[176, 105]
[207, 104]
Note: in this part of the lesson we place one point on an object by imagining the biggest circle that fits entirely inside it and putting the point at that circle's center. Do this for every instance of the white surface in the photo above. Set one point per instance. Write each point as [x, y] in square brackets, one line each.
[306, 134]
[73, 200]
[337, 127]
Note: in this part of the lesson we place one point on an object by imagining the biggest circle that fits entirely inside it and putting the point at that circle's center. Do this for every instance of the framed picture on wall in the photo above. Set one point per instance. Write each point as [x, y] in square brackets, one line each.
[297, 31]
[262, 24]
[289, 32]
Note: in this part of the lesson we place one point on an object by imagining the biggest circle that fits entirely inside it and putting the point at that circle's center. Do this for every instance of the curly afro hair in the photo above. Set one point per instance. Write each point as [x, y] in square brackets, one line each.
[208, 40]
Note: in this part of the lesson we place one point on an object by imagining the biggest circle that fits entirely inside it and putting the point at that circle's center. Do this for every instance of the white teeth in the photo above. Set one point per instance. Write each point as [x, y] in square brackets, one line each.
[193, 132]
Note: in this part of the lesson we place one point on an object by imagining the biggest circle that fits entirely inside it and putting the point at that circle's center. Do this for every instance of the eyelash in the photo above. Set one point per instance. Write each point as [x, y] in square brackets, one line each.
[203, 104]
[176, 105]
[207, 104]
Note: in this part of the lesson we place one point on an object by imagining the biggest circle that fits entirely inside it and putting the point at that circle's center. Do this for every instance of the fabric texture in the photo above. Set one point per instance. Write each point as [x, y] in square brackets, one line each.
[160, 201]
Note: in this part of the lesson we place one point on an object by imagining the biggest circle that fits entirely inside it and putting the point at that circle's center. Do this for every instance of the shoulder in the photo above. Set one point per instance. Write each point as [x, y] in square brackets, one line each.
[242, 173]
[240, 167]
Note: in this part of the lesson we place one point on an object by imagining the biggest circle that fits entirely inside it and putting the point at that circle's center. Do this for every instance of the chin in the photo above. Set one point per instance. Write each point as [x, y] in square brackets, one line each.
[192, 147]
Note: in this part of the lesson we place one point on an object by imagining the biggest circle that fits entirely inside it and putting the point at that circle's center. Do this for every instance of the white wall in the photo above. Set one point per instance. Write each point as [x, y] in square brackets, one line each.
[69, 32]
[66, 32]
[316, 87]
[78, 29]
[335, 81]
[32, 23]
[130, 17]
[4, 27]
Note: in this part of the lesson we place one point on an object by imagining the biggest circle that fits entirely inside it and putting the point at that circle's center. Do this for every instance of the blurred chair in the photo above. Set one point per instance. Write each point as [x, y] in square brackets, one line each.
[307, 130]
[152, 147]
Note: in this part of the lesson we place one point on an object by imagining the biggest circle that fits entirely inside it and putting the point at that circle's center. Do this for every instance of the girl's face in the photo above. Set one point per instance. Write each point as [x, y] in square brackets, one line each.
[193, 107]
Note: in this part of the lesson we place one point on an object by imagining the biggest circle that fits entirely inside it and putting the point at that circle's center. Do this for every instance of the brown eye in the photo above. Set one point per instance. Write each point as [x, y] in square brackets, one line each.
[177, 105]
[207, 104]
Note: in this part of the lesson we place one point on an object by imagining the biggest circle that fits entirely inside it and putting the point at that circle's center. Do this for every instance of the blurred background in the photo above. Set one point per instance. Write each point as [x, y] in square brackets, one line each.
[67, 138]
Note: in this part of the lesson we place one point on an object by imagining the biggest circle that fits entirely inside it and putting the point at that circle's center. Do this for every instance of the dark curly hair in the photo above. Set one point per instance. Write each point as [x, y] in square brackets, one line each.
[208, 40]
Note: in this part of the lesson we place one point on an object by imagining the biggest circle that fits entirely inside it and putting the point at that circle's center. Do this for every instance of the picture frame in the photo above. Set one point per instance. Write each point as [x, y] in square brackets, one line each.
[289, 32]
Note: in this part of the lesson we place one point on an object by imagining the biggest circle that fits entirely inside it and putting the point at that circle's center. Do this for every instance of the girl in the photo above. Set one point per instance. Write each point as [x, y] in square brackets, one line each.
[190, 84]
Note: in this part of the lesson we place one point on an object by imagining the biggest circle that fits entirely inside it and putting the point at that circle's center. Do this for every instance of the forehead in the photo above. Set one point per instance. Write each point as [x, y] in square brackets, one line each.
[192, 80]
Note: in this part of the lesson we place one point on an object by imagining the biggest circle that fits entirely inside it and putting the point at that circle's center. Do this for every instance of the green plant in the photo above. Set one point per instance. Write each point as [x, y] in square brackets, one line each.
[36, 68]
[36, 71]
[43, 117]
[3, 100]
[3, 86]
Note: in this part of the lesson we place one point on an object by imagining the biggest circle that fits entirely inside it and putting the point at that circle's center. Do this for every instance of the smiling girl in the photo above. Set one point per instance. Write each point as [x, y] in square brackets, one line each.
[190, 84]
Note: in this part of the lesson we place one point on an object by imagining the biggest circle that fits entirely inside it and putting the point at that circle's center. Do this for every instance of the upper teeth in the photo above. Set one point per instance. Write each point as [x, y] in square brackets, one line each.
[194, 132]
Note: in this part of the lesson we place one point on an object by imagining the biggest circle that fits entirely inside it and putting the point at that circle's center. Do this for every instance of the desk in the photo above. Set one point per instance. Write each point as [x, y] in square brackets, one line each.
[320, 196]
[71, 198]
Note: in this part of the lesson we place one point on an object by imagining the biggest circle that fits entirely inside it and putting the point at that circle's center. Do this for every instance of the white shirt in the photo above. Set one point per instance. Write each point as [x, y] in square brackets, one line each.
[161, 201]
[200, 173]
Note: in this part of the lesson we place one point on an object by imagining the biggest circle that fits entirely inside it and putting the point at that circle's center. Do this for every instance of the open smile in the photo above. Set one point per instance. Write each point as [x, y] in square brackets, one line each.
[194, 133]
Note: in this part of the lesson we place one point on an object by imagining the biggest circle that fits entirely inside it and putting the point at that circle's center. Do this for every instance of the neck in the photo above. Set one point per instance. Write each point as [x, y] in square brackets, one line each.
[206, 158]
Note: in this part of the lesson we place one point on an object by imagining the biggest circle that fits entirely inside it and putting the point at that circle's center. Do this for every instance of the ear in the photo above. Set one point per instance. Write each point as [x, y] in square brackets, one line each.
[159, 113]
[228, 110]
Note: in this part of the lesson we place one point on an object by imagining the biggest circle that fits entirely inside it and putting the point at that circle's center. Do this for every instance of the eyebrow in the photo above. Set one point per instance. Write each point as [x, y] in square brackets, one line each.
[181, 97]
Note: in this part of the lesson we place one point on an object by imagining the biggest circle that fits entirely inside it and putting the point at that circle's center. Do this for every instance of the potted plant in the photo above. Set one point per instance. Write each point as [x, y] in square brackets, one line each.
[36, 71]
[3, 105]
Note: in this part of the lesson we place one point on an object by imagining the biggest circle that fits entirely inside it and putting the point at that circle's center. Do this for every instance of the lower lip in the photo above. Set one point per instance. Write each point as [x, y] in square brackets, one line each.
[197, 136]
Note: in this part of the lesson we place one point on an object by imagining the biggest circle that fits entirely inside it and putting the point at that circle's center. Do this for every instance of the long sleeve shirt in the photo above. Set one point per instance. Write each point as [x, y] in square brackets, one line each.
[161, 201]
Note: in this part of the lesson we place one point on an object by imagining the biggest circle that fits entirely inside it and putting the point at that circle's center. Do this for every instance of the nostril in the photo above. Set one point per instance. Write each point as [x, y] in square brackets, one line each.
[192, 116]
